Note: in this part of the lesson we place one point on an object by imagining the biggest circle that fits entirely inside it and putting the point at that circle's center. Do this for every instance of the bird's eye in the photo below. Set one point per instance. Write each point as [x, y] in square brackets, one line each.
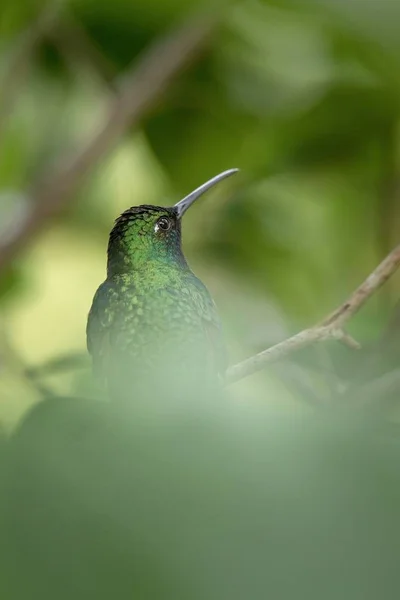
[163, 224]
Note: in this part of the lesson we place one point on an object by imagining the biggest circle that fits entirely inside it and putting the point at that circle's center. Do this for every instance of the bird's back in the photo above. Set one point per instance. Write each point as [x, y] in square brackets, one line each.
[149, 332]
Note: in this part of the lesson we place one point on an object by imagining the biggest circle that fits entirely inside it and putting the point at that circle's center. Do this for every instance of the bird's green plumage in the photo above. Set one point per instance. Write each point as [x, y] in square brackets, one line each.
[152, 317]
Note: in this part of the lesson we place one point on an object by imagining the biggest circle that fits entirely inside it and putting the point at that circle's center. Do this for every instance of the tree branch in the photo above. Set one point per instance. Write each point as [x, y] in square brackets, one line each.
[330, 328]
[142, 86]
[77, 47]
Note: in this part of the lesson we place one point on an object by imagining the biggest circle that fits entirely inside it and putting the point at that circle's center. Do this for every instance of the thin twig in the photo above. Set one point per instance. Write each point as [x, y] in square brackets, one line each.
[330, 328]
[9, 357]
[140, 89]
[373, 282]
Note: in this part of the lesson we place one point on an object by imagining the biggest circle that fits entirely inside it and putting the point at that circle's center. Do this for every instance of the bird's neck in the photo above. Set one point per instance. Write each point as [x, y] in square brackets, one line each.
[140, 264]
[153, 275]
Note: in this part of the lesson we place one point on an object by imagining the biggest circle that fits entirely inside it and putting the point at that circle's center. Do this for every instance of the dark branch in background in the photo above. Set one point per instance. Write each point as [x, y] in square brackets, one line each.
[22, 59]
[139, 91]
[331, 328]
[77, 47]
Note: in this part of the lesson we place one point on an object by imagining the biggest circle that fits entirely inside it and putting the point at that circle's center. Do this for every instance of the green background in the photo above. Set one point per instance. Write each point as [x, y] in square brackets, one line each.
[303, 97]
[253, 497]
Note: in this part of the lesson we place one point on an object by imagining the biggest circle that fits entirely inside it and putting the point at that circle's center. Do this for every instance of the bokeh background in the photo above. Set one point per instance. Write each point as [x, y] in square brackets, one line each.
[237, 500]
[303, 97]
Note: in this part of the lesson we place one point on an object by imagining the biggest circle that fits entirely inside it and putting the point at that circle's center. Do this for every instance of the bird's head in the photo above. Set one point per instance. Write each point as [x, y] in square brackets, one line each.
[146, 234]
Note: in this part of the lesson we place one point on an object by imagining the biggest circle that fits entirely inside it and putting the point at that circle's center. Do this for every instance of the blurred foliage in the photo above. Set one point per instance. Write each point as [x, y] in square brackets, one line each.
[216, 502]
[217, 499]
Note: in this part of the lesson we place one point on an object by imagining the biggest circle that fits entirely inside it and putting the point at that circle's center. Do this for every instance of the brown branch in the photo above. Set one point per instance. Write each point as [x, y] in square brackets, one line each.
[330, 328]
[140, 89]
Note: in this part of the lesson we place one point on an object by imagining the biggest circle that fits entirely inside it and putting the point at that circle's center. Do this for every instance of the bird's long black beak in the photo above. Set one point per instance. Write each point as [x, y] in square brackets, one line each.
[184, 204]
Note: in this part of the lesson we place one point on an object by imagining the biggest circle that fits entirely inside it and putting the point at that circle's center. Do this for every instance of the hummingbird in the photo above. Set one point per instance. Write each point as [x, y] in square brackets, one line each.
[153, 324]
